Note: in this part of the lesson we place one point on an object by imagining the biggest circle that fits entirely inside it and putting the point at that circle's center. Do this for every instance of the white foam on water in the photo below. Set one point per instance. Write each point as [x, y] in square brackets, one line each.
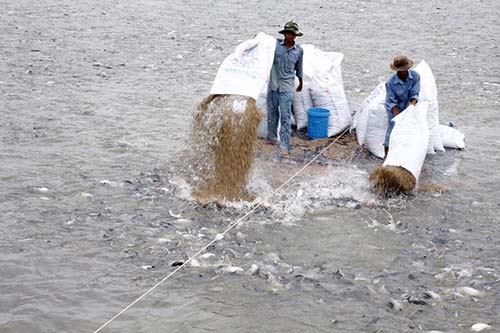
[344, 186]
[86, 195]
[452, 169]
[183, 188]
[457, 271]
[323, 187]
[390, 226]
[106, 182]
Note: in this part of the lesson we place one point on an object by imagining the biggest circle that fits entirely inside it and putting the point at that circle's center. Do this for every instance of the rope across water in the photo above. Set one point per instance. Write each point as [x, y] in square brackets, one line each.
[221, 235]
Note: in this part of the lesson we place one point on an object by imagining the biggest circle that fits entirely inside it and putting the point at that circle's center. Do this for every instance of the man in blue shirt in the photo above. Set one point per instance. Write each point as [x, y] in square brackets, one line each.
[403, 88]
[286, 65]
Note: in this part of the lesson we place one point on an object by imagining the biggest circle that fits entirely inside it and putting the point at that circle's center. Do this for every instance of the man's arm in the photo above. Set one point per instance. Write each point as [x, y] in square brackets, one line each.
[298, 71]
[391, 103]
[415, 91]
[299, 88]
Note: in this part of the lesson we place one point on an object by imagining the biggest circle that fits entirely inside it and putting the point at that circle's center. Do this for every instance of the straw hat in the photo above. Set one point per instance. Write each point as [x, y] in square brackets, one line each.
[401, 63]
[291, 27]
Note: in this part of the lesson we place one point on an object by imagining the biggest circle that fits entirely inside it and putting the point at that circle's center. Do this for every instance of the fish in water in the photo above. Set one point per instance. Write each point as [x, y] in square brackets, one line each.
[480, 327]
[207, 255]
[254, 269]
[432, 295]
[468, 291]
[395, 305]
[177, 216]
[231, 269]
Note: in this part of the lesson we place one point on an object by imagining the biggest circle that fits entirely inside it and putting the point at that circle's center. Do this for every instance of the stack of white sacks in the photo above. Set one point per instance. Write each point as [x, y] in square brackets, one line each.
[371, 125]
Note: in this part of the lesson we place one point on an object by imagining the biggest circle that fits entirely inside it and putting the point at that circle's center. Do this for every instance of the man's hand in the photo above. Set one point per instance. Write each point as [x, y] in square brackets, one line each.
[395, 111]
[413, 101]
[299, 88]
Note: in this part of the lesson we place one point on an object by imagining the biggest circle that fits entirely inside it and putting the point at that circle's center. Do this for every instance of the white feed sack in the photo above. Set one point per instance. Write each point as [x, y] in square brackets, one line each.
[370, 121]
[360, 118]
[328, 94]
[246, 71]
[375, 135]
[409, 139]
[451, 137]
[428, 93]
[322, 71]
[261, 103]
[301, 103]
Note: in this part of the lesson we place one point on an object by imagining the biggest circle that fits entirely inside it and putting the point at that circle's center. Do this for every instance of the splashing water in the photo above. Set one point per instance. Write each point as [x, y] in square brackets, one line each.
[321, 187]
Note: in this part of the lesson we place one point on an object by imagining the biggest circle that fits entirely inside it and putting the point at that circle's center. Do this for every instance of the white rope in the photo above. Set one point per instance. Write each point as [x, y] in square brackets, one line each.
[221, 235]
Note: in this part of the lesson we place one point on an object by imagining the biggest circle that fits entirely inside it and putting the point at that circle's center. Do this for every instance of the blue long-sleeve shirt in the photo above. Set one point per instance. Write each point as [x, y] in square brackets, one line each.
[399, 93]
[286, 65]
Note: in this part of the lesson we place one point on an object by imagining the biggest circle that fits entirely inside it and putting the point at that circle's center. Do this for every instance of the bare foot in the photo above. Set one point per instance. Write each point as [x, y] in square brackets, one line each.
[284, 153]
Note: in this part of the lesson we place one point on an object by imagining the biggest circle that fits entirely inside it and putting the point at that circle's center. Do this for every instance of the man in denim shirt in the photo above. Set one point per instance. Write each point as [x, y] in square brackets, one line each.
[403, 88]
[287, 64]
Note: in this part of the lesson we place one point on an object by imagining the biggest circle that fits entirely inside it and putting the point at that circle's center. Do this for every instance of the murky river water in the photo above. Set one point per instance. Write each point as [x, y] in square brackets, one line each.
[96, 99]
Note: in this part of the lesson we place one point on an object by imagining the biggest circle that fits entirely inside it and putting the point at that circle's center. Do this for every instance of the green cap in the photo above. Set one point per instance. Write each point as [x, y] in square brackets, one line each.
[291, 27]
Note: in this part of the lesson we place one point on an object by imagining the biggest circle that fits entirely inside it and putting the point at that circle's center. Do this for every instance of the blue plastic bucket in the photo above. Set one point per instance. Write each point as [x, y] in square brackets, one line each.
[317, 123]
